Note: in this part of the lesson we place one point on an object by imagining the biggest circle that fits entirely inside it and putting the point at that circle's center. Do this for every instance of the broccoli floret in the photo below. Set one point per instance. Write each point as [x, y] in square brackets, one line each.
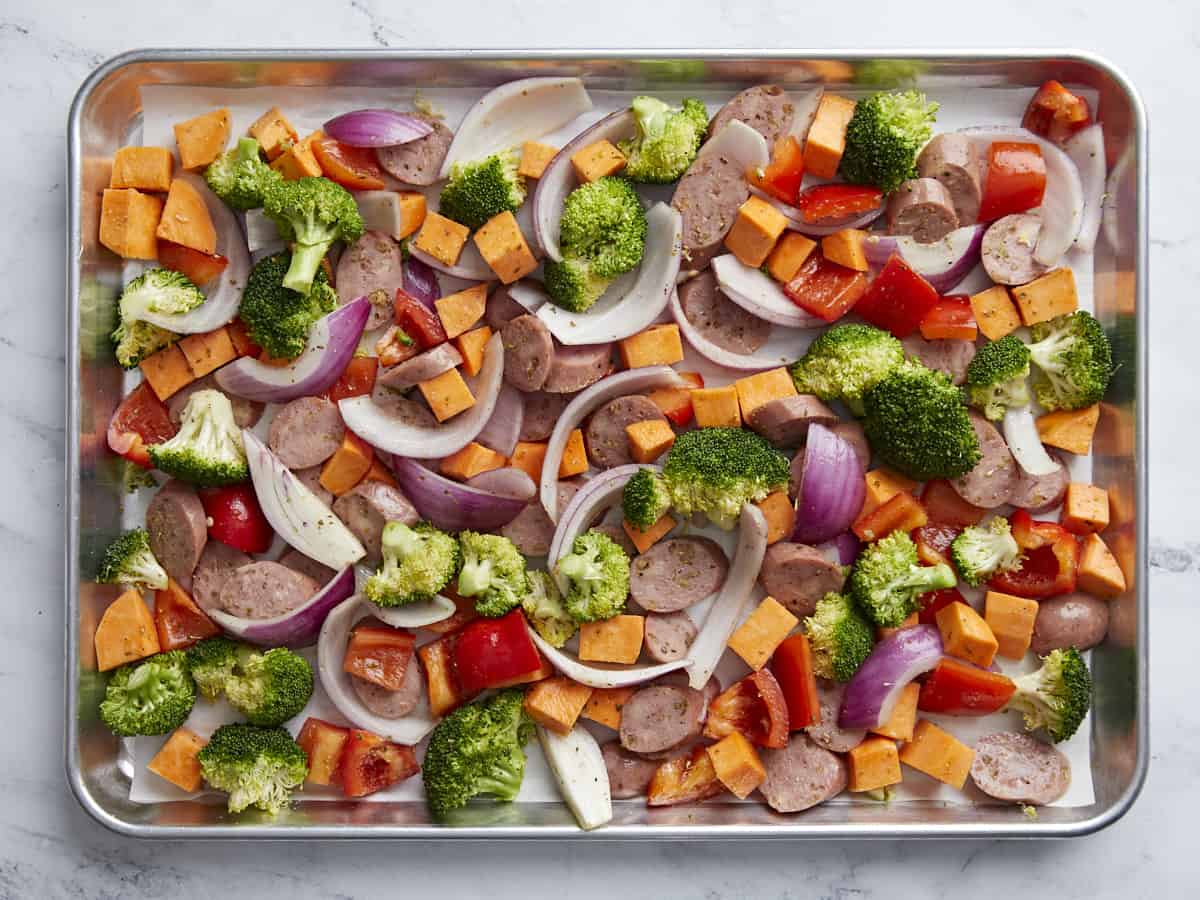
[543, 605]
[716, 471]
[129, 560]
[645, 499]
[417, 563]
[160, 291]
[477, 191]
[1073, 360]
[846, 361]
[888, 579]
[240, 177]
[269, 687]
[996, 377]
[154, 696]
[477, 749]
[1057, 696]
[212, 663]
[884, 136]
[595, 577]
[667, 139]
[278, 318]
[841, 638]
[493, 572]
[255, 766]
[312, 213]
[603, 235]
[979, 553]
[134, 341]
[916, 421]
[208, 448]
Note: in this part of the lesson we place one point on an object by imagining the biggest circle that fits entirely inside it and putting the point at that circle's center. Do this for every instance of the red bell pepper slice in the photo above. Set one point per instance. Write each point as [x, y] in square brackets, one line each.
[198, 266]
[1056, 113]
[685, 779]
[793, 669]
[944, 506]
[418, 321]
[239, 335]
[956, 688]
[379, 653]
[898, 299]
[178, 620]
[1051, 561]
[371, 763]
[676, 403]
[356, 380]
[354, 168]
[951, 318]
[323, 743]
[823, 203]
[903, 512]
[489, 652]
[139, 422]
[933, 602]
[825, 289]
[933, 543]
[1016, 180]
[236, 518]
[755, 706]
[782, 176]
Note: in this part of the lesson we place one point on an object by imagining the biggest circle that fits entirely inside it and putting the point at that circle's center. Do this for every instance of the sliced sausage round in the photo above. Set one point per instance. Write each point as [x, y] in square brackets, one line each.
[660, 717]
[1019, 768]
[391, 704]
[708, 197]
[502, 308]
[1008, 247]
[677, 573]
[992, 482]
[422, 367]
[954, 160]
[668, 636]
[784, 421]
[311, 479]
[306, 432]
[542, 411]
[605, 436]
[574, 368]
[948, 356]
[178, 529]
[418, 162]
[532, 531]
[217, 563]
[1038, 493]
[922, 208]
[306, 565]
[371, 265]
[1072, 620]
[262, 590]
[852, 433]
[720, 319]
[528, 352]
[766, 108]
[828, 733]
[679, 678]
[246, 413]
[629, 775]
[370, 505]
[798, 575]
[801, 775]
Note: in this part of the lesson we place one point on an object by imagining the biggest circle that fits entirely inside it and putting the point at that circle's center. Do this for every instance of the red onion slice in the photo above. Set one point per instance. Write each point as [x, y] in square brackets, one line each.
[331, 344]
[421, 281]
[832, 489]
[503, 428]
[872, 692]
[298, 627]
[1086, 150]
[451, 505]
[376, 128]
[1025, 443]
[943, 263]
[797, 222]
[508, 481]
[469, 267]
[842, 550]
[760, 294]
[782, 347]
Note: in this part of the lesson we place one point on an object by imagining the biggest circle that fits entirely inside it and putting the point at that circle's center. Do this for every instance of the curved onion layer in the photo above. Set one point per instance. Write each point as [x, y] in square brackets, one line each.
[578, 766]
[1025, 443]
[739, 142]
[832, 490]
[804, 111]
[298, 515]
[1062, 204]
[470, 265]
[414, 615]
[760, 294]
[331, 344]
[516, 112]
[528, 294]
[731, 601]
[633, 381]
[262, 237]
[943, 263]
[506, 482]
[872, 692]
[298, 627]
[797, 222]
[841, 550]
[601, 675]
[376, 128]
[421, 281]
[376, 427]
[558, 179]
[331, 651]
[450, 505]
[221, 303]
[594, 498]
[615, 317]
[1086, 150]
[503, 429]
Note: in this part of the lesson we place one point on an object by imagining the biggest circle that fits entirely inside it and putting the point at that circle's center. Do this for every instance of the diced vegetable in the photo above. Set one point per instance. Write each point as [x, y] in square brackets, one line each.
[370, 763]
[528, 456]
[966, 635]
[782, 176]
[1070, 429]
[933, 603]
[737, 765]
[1015, 180]
[185, 219]
[995, 313]
[441, 238]
[756, 639]
[882, 485]
[235, 518]
[379, 653]
[933, 543]
[938, 754]
[826, 141]
[1011, 620]
[354, 168]
[1050, 564]
[460, 311]
[898, 300]
[298, 160]
[202, 139]
[951, 318]
[1099, 572]
[825, 289]
[128, 221]
[556, 703]
[472, 460]
[504, 248]
[348, 465]
[126, 632]
[873, 764]
[535, 156]
[1055, 112]
[792, 665]
[716, 407]
[167, 371]
[845, 248]
[142, 168]
[755, 706]
[441, 680]
[604, 705]
[417, 321]
[790, 253]
[471, 345]
[447, 394]
[658, 345]
[273, 132]
[177, 762]
[1048, 297]
[615, 640]
[649, 439]
[1085, 508]
[574, 458]
[598, 160]
[944, 506]
[489, 652]
[356, 380]
[754, 232]
[903, 512]
[685, 779]
[763, 387]
[178, 621]
[899, 726]
[323, 743]
[676, 402]
[777, 509]
[200, 268]
[957, 688]
[644, 540]
[207, 352]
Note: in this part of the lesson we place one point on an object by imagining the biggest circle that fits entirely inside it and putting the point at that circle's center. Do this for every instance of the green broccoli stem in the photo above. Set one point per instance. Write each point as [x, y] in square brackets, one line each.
[503, 782]
[247, 149]
[306, 260]
[928, 578]
[475, 577]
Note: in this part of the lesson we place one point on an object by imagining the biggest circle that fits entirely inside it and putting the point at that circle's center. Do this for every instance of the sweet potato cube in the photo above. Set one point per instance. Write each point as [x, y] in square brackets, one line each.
[504, 248]
[658, 345]
[412, 213]
[966, 635]
[441, 238]
[882, 485]
[1099, 572]
[777, 509]
[167, 371]
[460, 311]
[716, 407]
[764, 630]
[874, 764]
[447, 394]
[1047, 297]
[598, 160]
[128, 220]
[615, 640]
[644, 540]
[789, 255]
[938, 754]
[755, 230]
[535, 156]
[185, 219]
[471, 345]
[737, 764]
[202, 139]
[348, 466]
[470, 461]
[649, 439]
[763, 387]
[208, 352]
[556, 703]
[144, 168]
[528, 456]
[605, 705]
[995, 313]
[574, 458]
[899, 726]
[845, 248]
[1085, 508]
[379, 472]
[826, 140]
[1011, 620]
[1069, 429]
[126, 632]
[177, 760]
[298, 160]
[273, 132]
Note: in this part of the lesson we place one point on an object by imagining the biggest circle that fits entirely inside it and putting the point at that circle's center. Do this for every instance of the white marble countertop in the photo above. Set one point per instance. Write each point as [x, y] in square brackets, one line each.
[50, 849]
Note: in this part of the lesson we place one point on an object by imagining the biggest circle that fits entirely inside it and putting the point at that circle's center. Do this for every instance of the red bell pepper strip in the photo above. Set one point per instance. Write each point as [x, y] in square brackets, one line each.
[379, 653]
[1056, 113]
[236, 517]
[755, 706]
[489, 652]
[903, 512]
[1051, 559]
[933, 543]
[370, 763]
[356, 380]
[956, 688]
[323, 743]
[198, 266]
[1016, 180]
[825, 289]
[823, 203]
[178, 620]
[782, 176]
[898, 299]
[793, 669]
[139, 422]
[354, 168]
[952, 319]
[418, 321]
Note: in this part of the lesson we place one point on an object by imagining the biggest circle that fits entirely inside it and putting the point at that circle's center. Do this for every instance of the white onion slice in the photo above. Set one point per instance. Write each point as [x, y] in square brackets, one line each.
[513, 113]
[578, 766]
[1025, 444]
[470, 265]
[376, 427]
[740, 143]
[784, 345]
[503, 427]
[615, 317]
[804, 111]
[944, 263]
[1086, 150]
[261, 233]
[595, 497]
[601, 675]
[413, 615]
[529, 295]
[760, 294]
